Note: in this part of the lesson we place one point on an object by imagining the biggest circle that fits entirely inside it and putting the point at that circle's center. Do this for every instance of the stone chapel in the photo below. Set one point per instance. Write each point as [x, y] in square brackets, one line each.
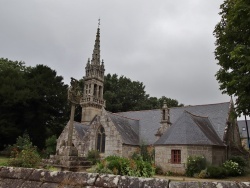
[175, 133]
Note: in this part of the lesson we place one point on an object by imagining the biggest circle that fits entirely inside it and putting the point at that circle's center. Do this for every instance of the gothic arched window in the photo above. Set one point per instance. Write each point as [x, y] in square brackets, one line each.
[100, 146]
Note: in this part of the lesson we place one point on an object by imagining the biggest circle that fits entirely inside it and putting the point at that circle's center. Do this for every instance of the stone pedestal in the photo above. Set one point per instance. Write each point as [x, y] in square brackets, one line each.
[70, 151]
[68, 163]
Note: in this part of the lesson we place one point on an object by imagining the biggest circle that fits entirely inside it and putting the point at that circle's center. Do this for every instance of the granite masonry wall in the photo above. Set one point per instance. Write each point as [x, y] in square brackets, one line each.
[128, 151]
[213, 155]
[31, 178]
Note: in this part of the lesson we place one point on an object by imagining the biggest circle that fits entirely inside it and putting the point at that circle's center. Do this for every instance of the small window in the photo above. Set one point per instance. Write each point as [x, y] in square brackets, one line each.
[176, 156]
[243, 129]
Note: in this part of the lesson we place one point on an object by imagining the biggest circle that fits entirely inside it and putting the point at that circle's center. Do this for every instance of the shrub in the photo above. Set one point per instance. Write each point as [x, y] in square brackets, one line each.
[147, 153]
[242, 162]
[105, 171]
[28, 157]
[195, 164]
[216, 172]
[24, 154]
[118, 164]
[93, 156]
[112, 164]
[50, 144]
[3, 161]
[203, 174]
[123, 166]
[144, 168]
[232, 168]
[158, 170]
[21, 142]
[169, 173]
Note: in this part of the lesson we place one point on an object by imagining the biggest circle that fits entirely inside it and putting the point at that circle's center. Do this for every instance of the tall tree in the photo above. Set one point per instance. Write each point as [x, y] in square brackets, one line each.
[47, 109]
[233, 52]
[13, 98]
[122, 94]
[32, 99]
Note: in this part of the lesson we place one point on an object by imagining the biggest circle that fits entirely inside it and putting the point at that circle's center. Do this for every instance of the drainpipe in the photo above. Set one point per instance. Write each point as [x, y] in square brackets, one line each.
[247, 132]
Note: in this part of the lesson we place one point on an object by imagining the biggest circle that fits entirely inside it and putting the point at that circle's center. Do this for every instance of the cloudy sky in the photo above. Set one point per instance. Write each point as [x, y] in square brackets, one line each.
[168, 45]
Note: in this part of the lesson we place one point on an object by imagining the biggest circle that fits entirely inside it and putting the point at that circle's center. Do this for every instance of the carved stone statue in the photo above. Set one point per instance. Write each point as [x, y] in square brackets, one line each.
[74, 92]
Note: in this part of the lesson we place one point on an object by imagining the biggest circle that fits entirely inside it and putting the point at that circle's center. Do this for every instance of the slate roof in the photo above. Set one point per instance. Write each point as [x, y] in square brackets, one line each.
[81, 129]
[190, 129]
[148, 123]
[242, 128]
[128, 128]
[149, 120]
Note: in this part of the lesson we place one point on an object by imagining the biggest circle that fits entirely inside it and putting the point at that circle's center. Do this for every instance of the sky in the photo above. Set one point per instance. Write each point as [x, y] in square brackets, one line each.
[168, 45]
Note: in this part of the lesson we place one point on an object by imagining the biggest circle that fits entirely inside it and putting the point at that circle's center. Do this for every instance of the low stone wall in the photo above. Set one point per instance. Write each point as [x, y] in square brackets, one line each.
[31, 178]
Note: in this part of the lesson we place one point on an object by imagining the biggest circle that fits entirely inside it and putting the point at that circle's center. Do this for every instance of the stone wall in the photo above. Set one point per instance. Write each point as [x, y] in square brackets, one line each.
[163, 158]
[113, 142]
[128, 150]
[219, 155]
[63, 139]
[213, 155]
[113, 145]
[32, 178]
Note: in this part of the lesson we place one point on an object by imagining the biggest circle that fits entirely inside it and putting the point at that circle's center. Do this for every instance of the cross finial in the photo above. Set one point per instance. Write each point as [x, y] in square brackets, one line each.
[99, 22]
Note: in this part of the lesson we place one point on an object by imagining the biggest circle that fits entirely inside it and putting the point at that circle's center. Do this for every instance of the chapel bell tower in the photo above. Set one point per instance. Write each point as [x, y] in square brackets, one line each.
[92, 101]
[165, 120]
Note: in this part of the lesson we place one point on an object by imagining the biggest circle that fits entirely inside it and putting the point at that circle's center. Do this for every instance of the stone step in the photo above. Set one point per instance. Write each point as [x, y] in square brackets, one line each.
[78, 163]
[71, 163]
[72, 168]
[70, 158]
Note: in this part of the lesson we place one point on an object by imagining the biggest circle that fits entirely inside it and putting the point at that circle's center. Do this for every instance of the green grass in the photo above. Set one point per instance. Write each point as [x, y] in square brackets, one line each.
[3, 161]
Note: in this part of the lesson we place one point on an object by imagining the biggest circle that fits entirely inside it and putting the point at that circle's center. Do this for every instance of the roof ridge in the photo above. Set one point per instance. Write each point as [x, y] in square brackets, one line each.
[172, 107]
[195, 114]
[200, 105]
[123, 116]
[139, 110]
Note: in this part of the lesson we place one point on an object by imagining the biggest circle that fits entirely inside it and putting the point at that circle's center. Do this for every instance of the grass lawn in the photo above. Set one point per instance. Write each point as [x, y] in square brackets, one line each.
[3, 160]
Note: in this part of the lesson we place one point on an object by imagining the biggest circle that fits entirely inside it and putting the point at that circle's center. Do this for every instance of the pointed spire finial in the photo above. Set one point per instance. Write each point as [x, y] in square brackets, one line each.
[165, 104]
[96, 52]
[99, 22]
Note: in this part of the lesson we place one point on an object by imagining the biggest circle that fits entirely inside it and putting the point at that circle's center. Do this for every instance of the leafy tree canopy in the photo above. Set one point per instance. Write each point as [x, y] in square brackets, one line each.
[122, 94]
[233, 52]
[32, 99]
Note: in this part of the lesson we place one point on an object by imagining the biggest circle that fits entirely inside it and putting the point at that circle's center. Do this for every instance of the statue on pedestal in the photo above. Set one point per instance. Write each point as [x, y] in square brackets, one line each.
[74, 94]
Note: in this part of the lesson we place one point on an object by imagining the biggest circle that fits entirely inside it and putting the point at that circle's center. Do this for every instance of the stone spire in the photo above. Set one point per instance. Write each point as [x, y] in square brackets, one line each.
[96, 52]
[92, 101]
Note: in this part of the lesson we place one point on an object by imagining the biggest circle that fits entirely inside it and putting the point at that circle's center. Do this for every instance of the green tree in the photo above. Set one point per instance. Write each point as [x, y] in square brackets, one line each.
[233, 52]
[32, 99]
[47, 109]
[13, 98]
[122, 94]
[170, 102]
